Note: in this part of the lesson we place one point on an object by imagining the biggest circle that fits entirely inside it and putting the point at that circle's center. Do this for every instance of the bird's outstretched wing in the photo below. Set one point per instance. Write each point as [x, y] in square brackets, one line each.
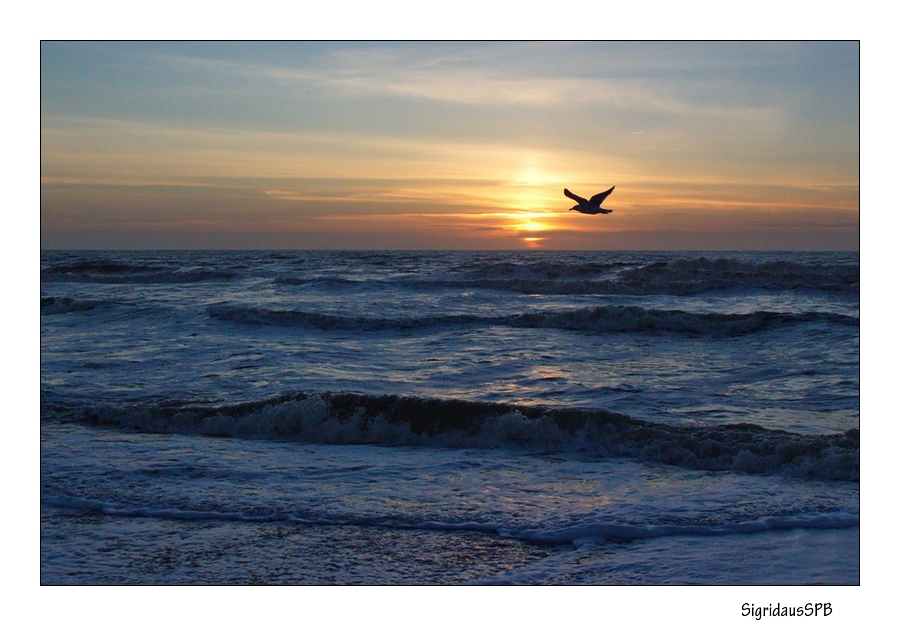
[597, 199]
[576, 197]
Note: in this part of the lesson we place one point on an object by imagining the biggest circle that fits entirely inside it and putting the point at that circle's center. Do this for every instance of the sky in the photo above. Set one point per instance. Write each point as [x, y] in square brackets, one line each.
[449, 145]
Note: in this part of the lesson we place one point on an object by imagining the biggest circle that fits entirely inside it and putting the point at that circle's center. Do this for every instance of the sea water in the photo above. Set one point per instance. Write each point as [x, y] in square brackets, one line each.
[449, 417]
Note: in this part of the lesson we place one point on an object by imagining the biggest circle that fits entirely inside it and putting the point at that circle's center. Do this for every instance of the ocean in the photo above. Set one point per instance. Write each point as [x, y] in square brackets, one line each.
[371, 418]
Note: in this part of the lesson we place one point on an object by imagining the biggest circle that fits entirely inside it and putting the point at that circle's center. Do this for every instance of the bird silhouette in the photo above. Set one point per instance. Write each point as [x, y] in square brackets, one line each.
[590, 207]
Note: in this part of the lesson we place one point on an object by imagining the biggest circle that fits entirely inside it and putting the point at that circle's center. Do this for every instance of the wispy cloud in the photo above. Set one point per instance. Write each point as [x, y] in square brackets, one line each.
[471, 80]
[73, 147]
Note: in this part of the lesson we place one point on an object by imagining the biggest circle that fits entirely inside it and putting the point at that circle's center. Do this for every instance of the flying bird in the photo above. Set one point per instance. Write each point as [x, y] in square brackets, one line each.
[590, 207]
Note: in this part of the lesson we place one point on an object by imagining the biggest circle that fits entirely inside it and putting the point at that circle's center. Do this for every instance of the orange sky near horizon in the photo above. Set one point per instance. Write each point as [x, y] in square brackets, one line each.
[454, 150]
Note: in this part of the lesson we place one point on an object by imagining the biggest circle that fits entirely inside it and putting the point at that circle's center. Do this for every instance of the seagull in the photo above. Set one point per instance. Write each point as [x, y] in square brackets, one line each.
[590, 207]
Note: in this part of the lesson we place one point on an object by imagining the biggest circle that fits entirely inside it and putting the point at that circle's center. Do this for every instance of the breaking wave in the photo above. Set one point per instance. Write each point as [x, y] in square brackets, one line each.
[289, 318]
[331, 281]
[111, 272]
[349, 418]
[52, 306]
[679, 277]
[605, 319]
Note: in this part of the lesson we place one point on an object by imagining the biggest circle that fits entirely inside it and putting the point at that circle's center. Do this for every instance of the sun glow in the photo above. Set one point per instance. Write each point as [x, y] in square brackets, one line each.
[531, 176]
[531, 223]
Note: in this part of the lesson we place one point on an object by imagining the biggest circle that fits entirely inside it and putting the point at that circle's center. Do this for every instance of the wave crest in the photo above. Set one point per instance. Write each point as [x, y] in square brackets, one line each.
[349, 418]
[52, 306]
[111, 272]
[682, 277]
[605, 319]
